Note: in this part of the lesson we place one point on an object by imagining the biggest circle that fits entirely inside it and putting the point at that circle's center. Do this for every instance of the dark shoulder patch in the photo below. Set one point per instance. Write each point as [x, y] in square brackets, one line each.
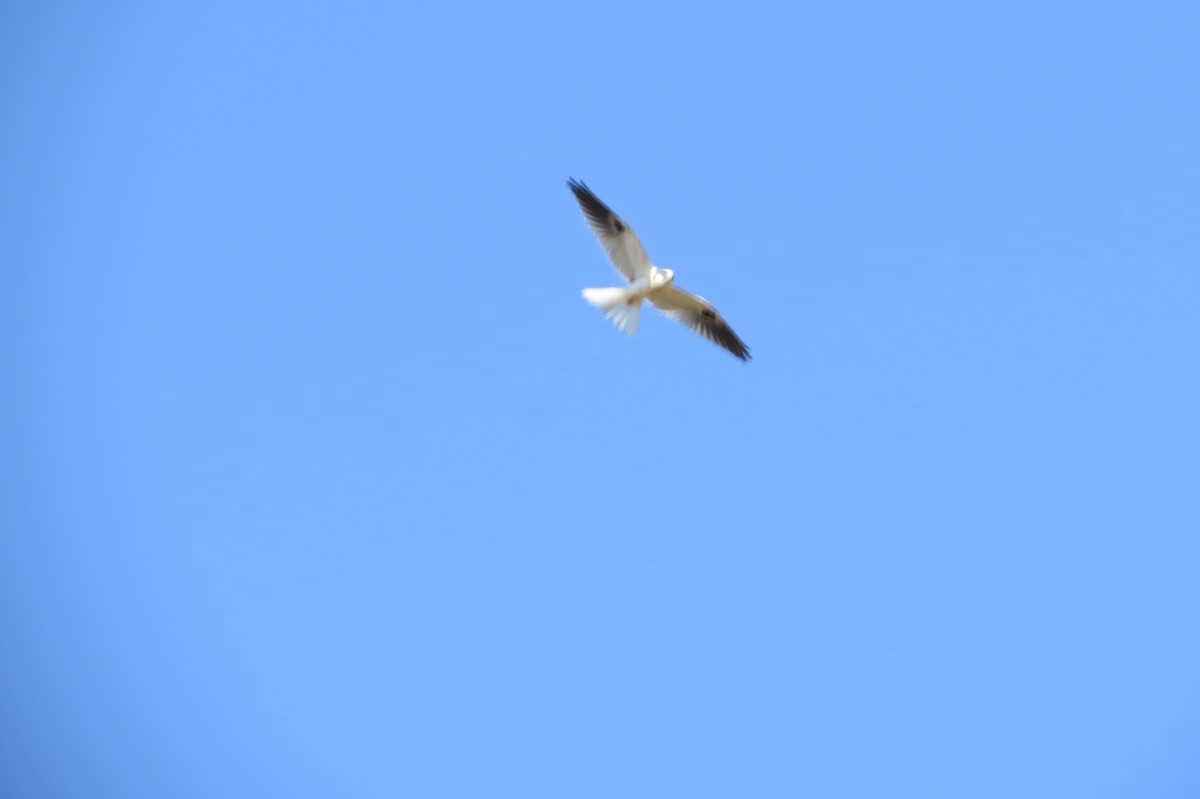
[620, 227]
[707, 314]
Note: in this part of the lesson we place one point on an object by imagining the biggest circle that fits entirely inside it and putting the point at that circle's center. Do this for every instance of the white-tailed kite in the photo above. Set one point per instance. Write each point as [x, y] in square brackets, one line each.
[646, 281]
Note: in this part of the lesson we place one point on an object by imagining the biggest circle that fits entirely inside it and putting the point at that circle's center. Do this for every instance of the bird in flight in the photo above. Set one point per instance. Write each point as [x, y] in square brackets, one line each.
[622, 305]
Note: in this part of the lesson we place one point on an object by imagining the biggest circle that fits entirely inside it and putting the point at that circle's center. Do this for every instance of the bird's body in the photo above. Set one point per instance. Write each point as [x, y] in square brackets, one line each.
[624, 304]
[647, 282]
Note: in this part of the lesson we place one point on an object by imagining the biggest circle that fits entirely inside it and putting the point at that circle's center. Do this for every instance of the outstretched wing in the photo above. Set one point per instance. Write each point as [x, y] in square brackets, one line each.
[696, 313]
[617, 238]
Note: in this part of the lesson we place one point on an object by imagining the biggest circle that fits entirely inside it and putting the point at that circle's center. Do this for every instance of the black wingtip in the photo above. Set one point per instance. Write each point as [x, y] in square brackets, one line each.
[732, 344]
[594, 208]
[579, 188]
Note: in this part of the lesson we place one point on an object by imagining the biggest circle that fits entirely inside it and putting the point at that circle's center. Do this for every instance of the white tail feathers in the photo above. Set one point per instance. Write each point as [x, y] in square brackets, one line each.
[617, 307]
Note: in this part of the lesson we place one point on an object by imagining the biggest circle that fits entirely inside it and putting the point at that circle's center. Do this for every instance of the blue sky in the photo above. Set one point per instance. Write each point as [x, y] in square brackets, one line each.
[324, 481]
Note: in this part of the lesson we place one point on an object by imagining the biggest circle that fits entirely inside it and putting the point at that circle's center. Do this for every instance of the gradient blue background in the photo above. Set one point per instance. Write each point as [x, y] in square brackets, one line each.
[322, 480]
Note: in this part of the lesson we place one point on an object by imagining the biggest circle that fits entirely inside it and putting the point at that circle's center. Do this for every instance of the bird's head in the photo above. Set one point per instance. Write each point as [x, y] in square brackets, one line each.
[662, 277]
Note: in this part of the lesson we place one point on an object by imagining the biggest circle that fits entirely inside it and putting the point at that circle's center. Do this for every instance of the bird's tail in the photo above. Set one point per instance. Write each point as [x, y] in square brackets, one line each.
[618, 304]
